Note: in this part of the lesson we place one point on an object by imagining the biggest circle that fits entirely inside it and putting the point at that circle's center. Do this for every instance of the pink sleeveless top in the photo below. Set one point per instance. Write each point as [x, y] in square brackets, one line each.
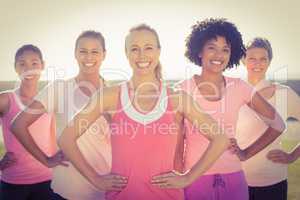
[225, 112]
[143, 145]
[27, 170]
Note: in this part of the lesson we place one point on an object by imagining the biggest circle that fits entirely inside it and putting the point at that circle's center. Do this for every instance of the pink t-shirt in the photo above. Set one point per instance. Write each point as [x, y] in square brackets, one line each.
[27, 170]
[143, 145]
[225, 112]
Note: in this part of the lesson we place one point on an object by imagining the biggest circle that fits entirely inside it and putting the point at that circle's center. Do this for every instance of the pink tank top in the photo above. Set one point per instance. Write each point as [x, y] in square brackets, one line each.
[143, 145]
[225, 112]
[27, 170]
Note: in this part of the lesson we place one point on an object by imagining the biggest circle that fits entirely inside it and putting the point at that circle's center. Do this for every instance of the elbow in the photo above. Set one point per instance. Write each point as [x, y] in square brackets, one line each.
[65, 140]
[283, 128]
[280, 128]
[277, 124]
[60, 142]
[15, 126]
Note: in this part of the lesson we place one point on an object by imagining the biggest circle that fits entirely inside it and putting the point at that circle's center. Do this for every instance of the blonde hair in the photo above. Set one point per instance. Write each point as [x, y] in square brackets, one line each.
[141, 27]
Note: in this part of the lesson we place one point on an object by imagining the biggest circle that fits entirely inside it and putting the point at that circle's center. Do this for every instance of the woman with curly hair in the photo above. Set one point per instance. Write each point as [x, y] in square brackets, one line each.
[145, 117]
[216, 45]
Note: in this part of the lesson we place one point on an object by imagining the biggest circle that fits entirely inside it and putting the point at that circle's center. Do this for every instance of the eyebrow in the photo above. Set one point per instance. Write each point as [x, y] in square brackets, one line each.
[148, 44]
[23, 60]
[88, 49]
[211, 43]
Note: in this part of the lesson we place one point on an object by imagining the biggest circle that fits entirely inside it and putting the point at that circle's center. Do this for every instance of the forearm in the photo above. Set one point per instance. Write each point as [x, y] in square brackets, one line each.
[295, 153]
[263, 141]
[215, 149]
[24, 137]
[67, 143]
[178, 162]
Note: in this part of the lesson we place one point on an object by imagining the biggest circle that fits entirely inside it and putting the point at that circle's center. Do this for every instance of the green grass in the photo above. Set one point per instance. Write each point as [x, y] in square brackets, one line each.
[294, 172]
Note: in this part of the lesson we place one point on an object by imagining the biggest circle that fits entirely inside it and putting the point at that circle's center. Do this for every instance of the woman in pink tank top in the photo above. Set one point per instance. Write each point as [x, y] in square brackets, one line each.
[215, 45]
[145, 120]
[23, 177]
[64, 98]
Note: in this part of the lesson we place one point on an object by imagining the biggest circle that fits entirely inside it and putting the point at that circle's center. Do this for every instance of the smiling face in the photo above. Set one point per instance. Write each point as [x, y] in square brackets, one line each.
[143, 52]
[89, 54]
[257, 62]
[29, 66]
[215, 55]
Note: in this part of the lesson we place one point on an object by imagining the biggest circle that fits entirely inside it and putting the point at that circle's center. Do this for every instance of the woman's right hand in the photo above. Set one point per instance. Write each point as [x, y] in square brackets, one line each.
[57, 159]
[110, 182]
[235, 149]
[8, 160]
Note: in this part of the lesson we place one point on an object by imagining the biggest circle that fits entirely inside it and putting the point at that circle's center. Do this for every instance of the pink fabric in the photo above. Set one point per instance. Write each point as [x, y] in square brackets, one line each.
[27, 170]
[225, 112]
[140, 151]
[231, 186]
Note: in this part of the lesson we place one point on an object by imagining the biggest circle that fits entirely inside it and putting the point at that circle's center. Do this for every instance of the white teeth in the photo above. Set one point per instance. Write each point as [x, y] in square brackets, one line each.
[29, 77]
[89, 64]
[215, 62]
[143, 64]
[257, 70]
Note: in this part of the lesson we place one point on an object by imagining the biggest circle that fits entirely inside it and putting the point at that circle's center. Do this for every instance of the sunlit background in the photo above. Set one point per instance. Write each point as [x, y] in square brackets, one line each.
[54, 25]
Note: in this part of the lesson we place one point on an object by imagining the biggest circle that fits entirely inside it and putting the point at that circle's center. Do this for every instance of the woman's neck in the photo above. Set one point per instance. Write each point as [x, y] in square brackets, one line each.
[212, 77]
[145, 82]
[93, 82]
[255, 80]
[28, 90]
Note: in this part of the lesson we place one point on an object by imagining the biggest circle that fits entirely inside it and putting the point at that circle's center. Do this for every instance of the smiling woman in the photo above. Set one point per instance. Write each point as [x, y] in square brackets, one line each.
[64, 98]
[144, 54]
[144, 114]
[216, 45]
[22, 175]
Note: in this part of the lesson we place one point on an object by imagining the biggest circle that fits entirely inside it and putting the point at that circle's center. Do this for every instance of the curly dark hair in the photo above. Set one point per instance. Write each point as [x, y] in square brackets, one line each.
[210, 29]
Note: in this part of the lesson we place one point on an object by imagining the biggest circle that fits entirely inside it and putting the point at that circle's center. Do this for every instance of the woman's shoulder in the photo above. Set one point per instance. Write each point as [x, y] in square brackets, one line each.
[4, 101]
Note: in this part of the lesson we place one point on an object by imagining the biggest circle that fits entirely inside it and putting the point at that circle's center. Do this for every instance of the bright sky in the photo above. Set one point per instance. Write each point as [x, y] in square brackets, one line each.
[54, 25]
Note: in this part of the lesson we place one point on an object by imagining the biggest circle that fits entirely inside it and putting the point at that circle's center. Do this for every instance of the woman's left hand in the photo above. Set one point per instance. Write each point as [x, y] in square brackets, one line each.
[279, 156]
[235, 149]
[170, 180]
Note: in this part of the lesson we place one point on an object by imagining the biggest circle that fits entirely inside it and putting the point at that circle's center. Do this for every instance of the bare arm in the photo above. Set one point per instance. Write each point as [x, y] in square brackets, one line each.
[4, 103]
[210, 129]
[293, 111]
[179, 152]
[19, 128]
[269, 115]
[79, 125]
[278, 155]
[9, 158]
[295, 153]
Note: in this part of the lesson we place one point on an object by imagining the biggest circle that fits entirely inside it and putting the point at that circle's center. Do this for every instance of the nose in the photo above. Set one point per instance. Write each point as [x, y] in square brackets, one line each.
[257, 62]
[141, 53]
[89, 56]
[220, 54]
